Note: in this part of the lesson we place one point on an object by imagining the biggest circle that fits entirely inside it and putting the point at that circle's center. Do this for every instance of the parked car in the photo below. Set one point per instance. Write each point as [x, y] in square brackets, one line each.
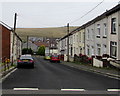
[25, 60]
[47, 57]
[55, 58]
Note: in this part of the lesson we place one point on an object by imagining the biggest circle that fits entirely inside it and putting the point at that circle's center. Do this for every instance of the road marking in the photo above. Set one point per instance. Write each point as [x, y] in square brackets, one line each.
[72, 89]
[113, 89]
[26, 89]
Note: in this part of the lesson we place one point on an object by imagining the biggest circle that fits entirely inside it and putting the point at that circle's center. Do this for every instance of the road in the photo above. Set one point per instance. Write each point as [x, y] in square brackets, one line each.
[51, 78]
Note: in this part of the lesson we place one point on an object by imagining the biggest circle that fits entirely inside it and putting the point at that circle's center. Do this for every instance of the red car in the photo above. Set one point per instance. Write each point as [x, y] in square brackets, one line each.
[55, 58]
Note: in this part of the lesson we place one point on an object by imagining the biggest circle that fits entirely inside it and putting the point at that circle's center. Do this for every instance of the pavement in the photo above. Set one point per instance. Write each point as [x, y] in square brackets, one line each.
[109, 72]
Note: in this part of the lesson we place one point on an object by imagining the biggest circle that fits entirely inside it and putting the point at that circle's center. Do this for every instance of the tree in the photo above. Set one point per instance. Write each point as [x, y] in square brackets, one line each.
[27, 51]
[41, 50]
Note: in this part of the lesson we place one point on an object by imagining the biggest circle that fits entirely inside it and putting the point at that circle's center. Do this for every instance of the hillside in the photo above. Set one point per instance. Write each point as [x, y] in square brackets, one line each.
[57, 32]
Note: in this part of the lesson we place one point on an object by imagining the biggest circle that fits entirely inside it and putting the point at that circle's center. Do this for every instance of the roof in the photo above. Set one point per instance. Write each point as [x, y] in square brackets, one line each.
[5, 25]
[9, 28]
[41, 43]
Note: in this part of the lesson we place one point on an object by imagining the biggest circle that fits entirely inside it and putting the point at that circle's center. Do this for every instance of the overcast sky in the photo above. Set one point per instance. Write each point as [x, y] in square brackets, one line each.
[50, 13]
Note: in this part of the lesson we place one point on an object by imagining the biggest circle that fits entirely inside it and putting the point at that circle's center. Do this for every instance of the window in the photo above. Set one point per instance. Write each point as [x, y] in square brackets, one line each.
[80, 49]
[98, 49]
[65, 42]
[88, 50]
[88, 35]
[113, 49]
[77, 38]
[98, 30]
[113, 26]
[74, 38]
[83, 37]
[71, 40]
[80, 36]
[105, 30]
[104, 49]
[71, 50]
[92, 51]
[93, 34]
[74, 50]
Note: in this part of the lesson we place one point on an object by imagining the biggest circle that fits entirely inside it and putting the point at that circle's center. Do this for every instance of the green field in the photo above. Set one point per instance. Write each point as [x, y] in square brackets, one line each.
[56, 32]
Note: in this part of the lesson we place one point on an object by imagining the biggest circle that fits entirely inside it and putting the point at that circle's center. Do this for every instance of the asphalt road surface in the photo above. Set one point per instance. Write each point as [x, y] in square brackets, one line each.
[55, 79]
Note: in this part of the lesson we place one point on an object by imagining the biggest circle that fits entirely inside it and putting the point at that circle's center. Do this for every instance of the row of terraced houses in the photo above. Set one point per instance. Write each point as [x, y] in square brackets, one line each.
[95, 38]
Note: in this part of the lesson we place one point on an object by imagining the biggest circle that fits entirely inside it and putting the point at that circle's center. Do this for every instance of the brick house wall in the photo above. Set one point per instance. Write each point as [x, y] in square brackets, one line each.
[5, 41]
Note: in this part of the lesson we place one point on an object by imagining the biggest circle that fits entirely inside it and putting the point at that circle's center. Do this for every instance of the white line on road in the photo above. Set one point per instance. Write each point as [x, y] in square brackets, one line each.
[26, 89]
[9, 74]
[113, 89]
[72, 89]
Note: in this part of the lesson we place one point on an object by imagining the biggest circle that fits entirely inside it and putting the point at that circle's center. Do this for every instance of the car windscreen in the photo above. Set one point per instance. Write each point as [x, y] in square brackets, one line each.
[25, 57]
[55, 56]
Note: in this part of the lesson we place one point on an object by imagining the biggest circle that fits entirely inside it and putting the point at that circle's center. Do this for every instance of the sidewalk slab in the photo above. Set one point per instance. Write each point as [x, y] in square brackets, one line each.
[113, 73]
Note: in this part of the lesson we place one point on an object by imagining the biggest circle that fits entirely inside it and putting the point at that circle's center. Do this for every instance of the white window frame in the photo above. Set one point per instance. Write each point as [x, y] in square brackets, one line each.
[104, 49]
[92, 50]
[80, 37]
[98, 30]
[92, 34]
[98, 49]
[113, 44]
[113, 25]
[88, 50]
[105, 30]
[88, 34]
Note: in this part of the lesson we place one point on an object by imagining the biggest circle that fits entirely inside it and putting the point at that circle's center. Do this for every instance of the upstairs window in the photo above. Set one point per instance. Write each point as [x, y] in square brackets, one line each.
[88, 35]
[98, 30]
[105, 30]
[113, 26]
[80, 36]
[92, 34]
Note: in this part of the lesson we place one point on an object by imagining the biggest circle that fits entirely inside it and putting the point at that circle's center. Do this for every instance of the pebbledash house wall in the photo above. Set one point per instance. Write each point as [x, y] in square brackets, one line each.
[93, 39]
[0, 44]
[114, 37]
[119, 35]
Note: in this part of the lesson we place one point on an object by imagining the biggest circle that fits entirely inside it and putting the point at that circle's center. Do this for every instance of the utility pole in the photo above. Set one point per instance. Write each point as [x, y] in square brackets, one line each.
[15, 17]
[27, 43]
[68, 42]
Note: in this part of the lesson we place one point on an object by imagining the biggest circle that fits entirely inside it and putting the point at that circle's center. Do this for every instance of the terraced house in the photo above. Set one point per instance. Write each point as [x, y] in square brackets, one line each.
[97, 37]
[102, 34]
[8, 49]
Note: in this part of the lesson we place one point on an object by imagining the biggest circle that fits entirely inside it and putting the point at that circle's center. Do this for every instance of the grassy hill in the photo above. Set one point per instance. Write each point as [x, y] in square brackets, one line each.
[57, 32]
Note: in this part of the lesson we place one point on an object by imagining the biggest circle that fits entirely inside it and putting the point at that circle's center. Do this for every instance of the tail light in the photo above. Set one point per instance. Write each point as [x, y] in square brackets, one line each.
[19, 60]
[31, 60]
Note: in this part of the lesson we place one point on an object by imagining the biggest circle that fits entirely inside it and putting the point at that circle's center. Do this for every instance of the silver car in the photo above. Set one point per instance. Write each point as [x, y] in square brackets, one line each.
[25, 60]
